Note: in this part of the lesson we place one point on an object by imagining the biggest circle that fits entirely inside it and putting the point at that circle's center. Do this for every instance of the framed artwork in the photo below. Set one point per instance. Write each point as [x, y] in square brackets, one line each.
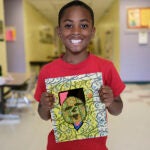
[138, 18]
[78, 112]
[45, 35]
[1, 31]
[108, 44]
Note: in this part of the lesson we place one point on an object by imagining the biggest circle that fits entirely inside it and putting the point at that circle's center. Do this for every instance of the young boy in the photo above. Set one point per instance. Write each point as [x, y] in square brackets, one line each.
[76, 29]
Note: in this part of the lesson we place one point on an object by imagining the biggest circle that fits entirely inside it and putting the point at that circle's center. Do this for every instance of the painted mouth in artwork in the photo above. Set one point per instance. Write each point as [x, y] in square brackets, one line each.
[75, 116]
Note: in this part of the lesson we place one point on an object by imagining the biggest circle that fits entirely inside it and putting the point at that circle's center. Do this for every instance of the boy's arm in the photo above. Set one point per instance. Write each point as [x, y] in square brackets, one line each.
[115, 108]
[113, 104]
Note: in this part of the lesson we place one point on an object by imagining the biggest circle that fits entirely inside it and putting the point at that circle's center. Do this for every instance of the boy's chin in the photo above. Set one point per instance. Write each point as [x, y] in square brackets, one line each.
[76, 50]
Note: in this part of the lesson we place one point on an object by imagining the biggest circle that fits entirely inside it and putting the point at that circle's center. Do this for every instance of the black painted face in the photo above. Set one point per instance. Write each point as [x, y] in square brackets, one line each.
[73, 110]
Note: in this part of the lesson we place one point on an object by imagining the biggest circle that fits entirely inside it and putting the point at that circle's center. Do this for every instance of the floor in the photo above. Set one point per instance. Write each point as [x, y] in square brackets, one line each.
[131, 130]
[128, 131]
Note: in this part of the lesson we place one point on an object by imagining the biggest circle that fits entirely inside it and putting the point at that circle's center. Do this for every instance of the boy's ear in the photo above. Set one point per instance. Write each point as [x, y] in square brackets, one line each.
[93, 32]
[58, 31]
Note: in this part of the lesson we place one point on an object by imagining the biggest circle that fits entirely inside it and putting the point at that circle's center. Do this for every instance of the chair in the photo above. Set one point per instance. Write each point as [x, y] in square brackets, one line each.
[20, 94]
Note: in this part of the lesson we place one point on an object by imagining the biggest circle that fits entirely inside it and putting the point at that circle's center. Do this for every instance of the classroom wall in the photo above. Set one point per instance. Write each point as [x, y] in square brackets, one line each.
[27, 22]
[3, 62]
[35, 23]
[15, 49]
[135, 58]
[108, 31]
[132, 58]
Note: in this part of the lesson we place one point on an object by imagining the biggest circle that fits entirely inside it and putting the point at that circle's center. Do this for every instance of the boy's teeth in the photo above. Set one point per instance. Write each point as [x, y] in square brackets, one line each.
[75, 41]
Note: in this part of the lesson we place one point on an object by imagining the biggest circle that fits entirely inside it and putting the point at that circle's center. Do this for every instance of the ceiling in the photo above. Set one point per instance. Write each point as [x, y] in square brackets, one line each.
[50, 8]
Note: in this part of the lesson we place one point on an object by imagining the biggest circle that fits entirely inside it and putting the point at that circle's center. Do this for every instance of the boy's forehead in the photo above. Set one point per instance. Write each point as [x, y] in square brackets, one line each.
[76, 10]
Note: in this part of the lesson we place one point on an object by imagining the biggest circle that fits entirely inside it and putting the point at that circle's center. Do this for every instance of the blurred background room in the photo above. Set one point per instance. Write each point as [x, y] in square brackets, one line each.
[28, 40]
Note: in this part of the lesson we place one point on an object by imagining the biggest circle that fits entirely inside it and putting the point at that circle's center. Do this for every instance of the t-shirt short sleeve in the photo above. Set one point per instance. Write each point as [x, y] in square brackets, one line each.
[40, 88]
[112, 79]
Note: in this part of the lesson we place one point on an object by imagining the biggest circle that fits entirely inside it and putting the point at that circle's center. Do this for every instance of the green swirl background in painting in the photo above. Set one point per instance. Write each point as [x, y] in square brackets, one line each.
[95, 123]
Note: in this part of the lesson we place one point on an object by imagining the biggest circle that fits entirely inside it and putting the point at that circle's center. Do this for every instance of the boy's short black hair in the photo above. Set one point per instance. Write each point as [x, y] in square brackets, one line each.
[75, 3]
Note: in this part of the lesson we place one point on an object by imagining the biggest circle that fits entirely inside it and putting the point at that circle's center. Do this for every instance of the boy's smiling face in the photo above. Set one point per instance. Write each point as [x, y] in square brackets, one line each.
[76, 29]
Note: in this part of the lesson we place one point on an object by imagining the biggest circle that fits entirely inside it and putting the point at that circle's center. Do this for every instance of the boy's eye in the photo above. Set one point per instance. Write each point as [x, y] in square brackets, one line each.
[68, 26]
[84, 26]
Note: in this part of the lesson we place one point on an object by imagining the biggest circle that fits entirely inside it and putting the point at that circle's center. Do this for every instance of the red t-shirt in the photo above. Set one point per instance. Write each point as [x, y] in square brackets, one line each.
[93, 64]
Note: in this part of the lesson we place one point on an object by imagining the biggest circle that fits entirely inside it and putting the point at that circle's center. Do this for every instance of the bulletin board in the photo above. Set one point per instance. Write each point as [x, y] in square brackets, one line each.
[138, 18]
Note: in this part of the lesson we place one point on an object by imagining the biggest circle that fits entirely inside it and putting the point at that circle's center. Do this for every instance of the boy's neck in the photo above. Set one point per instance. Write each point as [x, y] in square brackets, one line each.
[75, 58]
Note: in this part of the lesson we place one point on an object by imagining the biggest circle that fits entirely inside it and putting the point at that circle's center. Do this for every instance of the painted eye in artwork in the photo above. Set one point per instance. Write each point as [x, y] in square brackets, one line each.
[68, 108]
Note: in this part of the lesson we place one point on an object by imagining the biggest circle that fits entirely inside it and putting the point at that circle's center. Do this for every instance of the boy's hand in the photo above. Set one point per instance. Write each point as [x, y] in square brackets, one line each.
[47, 100]
[46, 103]
[106, 95]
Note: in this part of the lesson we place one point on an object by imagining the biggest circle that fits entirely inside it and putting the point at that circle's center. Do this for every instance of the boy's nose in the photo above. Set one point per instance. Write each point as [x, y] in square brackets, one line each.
[76, 30]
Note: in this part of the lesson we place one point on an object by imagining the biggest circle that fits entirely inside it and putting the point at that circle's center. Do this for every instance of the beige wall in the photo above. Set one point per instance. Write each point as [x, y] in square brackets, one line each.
[35, 50]
[34, 22]
[108, 31]
[3, 62]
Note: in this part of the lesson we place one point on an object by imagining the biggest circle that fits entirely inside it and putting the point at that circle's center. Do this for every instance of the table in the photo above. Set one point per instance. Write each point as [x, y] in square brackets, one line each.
[38, 63]
[15, 80]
